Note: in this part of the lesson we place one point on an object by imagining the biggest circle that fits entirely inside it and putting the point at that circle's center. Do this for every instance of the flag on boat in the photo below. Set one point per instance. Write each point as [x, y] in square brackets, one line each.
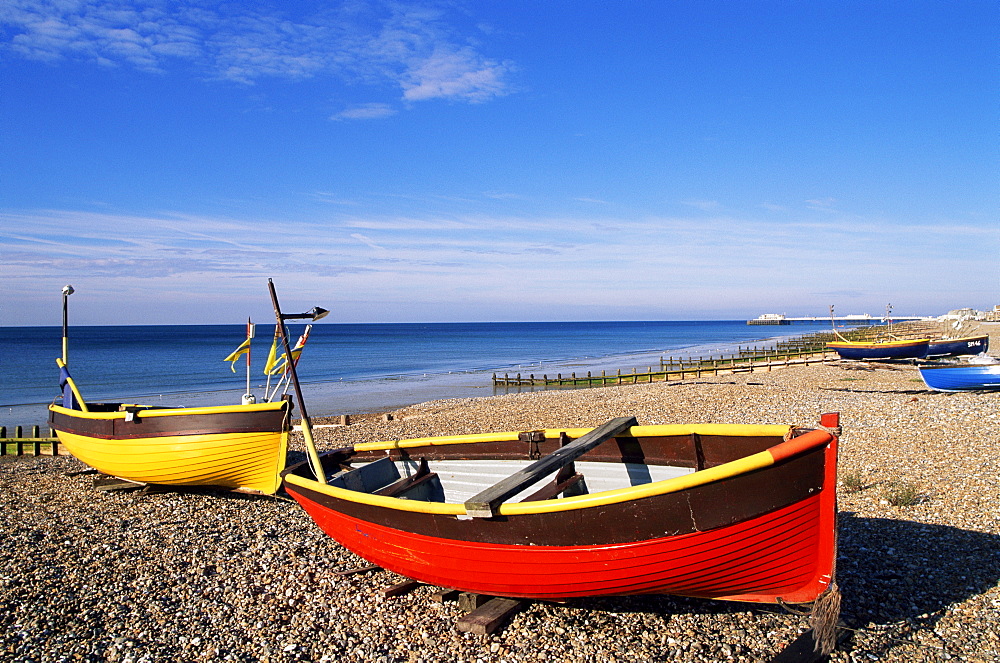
[69, 398]
[244, 348]
[272, 355]
[282, 365]
[239, 352]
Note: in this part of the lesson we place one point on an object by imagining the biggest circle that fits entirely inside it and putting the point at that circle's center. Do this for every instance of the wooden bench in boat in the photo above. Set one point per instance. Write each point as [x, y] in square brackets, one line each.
[486, 503]
[381, 477]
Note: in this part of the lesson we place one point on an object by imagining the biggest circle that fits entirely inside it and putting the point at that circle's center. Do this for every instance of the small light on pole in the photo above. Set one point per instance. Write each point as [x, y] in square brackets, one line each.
[66, 292]
[315, 313]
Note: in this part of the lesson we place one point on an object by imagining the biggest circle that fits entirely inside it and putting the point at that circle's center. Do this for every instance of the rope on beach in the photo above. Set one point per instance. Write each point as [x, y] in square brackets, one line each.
[823, 620]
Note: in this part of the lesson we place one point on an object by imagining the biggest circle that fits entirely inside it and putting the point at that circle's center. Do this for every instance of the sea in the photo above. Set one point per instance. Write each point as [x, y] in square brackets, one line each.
[344, 368]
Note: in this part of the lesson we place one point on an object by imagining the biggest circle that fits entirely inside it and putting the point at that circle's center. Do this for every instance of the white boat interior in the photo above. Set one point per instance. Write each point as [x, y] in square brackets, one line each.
[461, 480]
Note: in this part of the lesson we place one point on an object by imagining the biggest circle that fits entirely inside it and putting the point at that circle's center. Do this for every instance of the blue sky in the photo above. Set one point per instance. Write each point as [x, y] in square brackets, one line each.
[497, 160]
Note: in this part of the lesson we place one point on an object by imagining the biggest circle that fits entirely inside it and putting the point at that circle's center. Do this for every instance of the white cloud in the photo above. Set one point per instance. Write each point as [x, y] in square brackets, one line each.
[725, 261]
[454, 74]
[372, 111]
[821, 203]
[415, 49]
[367, 241]
[703, 205]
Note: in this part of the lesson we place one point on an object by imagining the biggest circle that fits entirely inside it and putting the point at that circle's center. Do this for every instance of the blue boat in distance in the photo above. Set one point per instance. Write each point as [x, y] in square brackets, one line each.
[954, 347]
[961, 377]
[880, 350]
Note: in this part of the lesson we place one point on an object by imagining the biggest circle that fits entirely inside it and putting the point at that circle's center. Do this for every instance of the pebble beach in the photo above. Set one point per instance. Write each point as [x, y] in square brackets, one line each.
[133, 576]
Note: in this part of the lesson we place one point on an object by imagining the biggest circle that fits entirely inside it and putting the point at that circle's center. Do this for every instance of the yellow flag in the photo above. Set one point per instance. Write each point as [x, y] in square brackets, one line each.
[239, 352]
[282, 365]
[272, 356]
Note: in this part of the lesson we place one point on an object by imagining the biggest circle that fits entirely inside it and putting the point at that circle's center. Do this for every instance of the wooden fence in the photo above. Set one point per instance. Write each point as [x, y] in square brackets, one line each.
[806, 349]
[670, 370]
[38, 445]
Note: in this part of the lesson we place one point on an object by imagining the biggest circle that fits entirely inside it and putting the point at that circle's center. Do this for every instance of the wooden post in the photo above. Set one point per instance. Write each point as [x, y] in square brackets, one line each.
[19, 443]
[37, 446]
[489, 617]
[401, 588]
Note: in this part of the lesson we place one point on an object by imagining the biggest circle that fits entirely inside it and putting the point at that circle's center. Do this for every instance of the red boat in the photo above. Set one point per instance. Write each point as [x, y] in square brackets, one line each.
[736, 512]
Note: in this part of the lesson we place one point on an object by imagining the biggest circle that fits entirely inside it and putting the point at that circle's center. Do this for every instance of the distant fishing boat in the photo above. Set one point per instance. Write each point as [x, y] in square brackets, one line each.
[734, 512]
[881, 350]
[961, 377]
[230, 446]
[954, 347]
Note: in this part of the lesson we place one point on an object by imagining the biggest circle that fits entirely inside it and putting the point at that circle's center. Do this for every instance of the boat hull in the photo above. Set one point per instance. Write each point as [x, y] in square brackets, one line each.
[241, 446]
[915, 349]
[764, 535]
[955, 347]
[964, 377]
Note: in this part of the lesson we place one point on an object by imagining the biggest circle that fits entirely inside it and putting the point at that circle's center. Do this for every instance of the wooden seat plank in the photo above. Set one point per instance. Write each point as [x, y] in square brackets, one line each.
[553, 488]
[485, 504]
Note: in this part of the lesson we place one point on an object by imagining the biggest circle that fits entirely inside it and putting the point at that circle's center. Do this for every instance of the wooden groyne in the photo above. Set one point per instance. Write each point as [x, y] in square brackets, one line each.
[35, 442]
[672, 369]
[801, 350]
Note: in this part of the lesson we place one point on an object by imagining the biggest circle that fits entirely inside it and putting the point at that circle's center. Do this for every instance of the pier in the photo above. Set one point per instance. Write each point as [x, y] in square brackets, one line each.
[862, 319]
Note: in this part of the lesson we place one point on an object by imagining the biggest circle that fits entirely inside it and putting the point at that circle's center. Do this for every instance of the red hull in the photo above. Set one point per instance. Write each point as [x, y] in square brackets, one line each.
[773, 555]
[756, 522]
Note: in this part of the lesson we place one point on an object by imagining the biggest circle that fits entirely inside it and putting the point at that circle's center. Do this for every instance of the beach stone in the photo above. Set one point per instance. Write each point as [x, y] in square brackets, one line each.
[207, 576]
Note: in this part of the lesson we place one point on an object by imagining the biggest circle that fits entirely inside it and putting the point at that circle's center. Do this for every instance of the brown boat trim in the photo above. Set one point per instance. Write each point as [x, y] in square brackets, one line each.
[719, 504]
[219, 423]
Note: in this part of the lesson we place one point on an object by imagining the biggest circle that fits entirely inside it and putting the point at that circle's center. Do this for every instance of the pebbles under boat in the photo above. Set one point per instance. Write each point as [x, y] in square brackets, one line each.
[737, 512]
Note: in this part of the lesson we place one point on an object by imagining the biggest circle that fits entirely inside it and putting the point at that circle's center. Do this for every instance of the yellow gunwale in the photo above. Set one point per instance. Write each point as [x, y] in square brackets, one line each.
[664, 430]
[169, 412]
[734, 468]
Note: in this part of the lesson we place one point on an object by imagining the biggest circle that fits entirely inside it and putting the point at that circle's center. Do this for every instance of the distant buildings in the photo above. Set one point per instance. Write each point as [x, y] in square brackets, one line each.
[973, 314]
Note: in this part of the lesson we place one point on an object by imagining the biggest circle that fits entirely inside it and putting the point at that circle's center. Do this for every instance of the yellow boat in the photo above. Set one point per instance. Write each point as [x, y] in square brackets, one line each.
[230, 446]
[235, 446]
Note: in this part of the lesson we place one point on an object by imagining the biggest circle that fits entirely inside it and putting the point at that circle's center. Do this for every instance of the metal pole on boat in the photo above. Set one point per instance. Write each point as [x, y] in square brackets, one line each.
[248, 398]
[315, 314]
[66, 292]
